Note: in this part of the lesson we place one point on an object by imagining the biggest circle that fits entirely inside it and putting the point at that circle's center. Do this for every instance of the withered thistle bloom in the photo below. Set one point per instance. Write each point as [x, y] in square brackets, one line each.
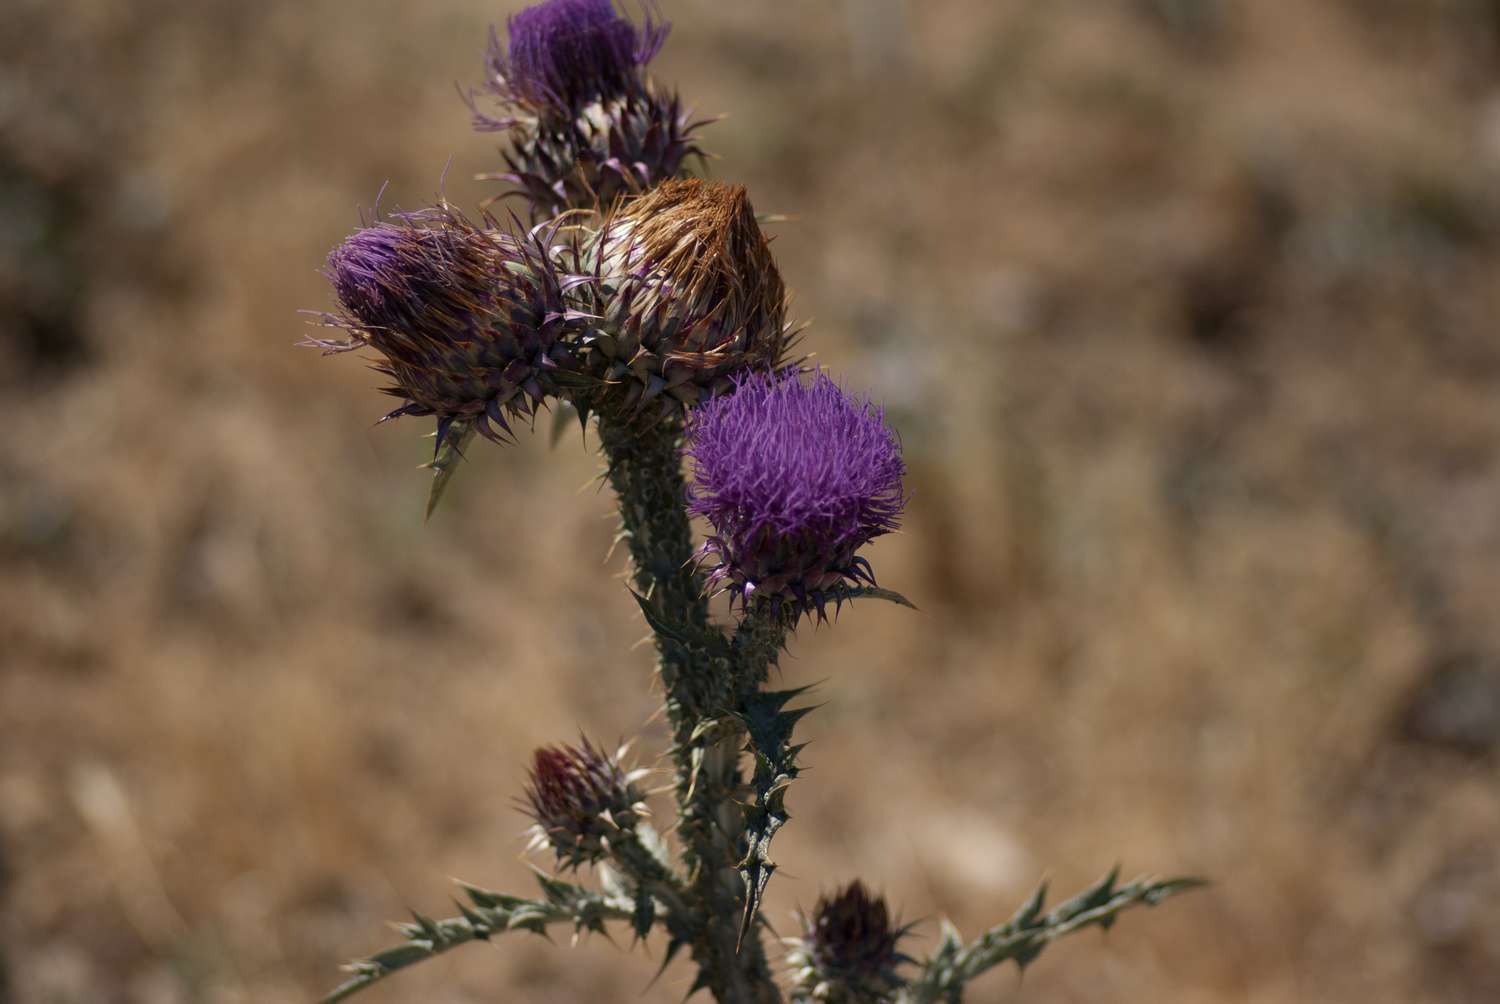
[687, 293]
[585, 123]
[847, 953]
[467, 320]
[580, 797]
[794, 479]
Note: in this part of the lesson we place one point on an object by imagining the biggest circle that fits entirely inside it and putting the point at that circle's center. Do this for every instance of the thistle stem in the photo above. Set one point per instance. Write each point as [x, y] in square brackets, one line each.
[657, 880]
[702, 677]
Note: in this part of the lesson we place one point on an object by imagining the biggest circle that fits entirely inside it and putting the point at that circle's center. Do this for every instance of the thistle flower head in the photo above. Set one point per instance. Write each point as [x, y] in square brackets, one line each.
[579, 797]
[467, 320]
[563, 54]
[585, 125]
[794, 479]
[847, 952]
[689, 293]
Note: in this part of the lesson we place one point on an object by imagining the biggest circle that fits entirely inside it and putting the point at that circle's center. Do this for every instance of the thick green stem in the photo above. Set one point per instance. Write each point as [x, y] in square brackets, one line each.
[702, 676]
[758, 642]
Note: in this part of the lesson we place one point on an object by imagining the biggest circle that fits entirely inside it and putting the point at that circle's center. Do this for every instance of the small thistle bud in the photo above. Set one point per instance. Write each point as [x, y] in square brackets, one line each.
[793, 479]
[689, 294]
[580, 797]
[585, 123]
[467, 320]
[847, 952]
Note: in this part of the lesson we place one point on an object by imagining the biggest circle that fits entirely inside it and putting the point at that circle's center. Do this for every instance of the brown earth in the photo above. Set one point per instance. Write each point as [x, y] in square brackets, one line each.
[1184, 309]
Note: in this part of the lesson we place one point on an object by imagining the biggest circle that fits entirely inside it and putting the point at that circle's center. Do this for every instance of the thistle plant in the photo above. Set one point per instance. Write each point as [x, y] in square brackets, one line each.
[648, 304]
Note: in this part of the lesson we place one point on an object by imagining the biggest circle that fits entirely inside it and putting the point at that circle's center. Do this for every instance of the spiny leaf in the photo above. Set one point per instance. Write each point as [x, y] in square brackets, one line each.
[663, 627]
[401, 956]
[564, 414]
[491, 914]
[644, 916]
[1030, 910]
[769, 726]
[485, 899]
[1028, 932]
[1094, 896]
[877, 593]
[450, 452]
[1171, 887]
[673, 947]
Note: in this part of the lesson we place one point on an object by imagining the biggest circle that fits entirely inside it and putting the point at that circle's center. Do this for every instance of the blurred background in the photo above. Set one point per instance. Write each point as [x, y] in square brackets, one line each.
[1184, 309]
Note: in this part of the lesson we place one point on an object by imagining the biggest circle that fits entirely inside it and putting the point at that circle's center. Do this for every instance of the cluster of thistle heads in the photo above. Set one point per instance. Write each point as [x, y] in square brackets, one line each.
[634, 292]
[630, 291]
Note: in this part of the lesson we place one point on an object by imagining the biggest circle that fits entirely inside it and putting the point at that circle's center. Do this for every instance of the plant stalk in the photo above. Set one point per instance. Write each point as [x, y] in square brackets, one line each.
[703, 676]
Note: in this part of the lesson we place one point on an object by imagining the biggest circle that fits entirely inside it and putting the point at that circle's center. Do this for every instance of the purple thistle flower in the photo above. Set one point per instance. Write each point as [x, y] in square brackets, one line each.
[467, 320]
[794, 479]
[563, 54]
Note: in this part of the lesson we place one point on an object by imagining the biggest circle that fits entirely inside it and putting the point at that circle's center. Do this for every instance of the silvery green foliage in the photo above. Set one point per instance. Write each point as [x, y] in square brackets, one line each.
[945, 974]
[661, 324]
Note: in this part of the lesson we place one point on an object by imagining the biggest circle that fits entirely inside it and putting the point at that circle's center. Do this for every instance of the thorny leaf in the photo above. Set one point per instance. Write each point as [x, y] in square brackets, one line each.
[1022, 938]
[446, 458]
[491, 913]
[770, 726]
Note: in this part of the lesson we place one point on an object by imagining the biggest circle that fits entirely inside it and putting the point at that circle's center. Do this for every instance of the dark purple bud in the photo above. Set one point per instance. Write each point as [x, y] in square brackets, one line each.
[794, 479]
[467, 320]
[847, 951]
[580, 797]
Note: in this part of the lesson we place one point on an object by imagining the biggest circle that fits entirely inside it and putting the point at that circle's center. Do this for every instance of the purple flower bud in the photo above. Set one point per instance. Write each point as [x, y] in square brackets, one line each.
[566, 53]
[579, 797]
[586, 127]
[563, 54]
[847, 952]
[688, 293]
[467, 320]
[794, 479]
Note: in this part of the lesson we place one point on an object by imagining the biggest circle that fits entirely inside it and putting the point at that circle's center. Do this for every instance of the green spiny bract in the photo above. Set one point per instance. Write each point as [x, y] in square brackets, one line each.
[685, 293]
[468, 320]
[580, 798]
[847, 953]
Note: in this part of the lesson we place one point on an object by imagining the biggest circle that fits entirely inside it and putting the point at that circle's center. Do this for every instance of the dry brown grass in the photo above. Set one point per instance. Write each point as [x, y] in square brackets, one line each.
[1188, 327]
